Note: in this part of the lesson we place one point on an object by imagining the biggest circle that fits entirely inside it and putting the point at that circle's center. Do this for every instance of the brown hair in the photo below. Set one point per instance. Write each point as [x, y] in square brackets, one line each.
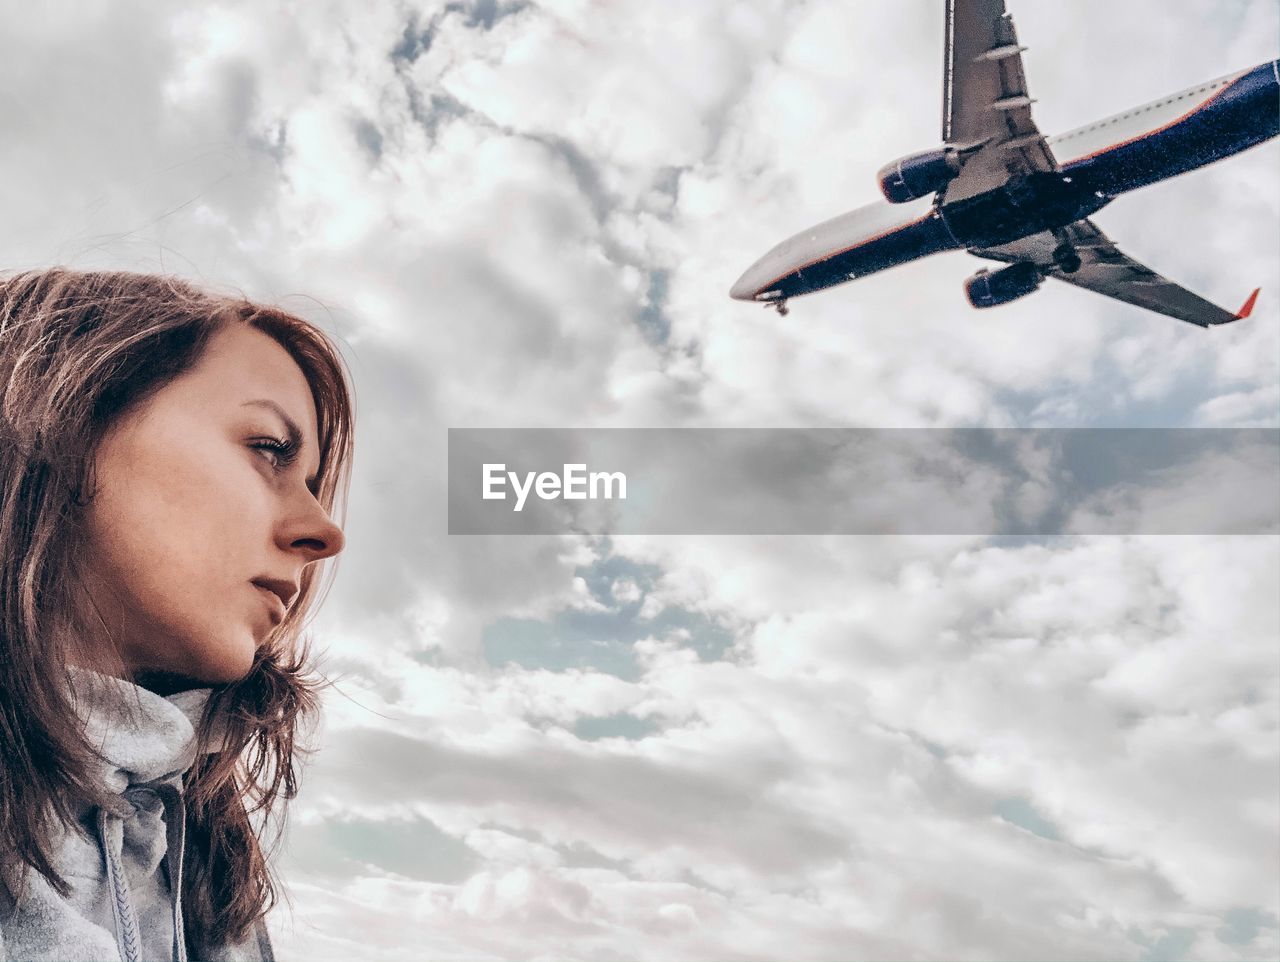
[78, 350]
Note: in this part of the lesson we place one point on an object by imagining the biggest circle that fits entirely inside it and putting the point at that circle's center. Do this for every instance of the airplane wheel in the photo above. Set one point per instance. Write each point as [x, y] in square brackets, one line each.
[1068, 260]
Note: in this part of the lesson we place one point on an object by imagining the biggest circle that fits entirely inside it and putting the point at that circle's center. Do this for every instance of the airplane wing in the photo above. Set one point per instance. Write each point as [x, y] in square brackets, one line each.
[1104, 268]
[986, 112]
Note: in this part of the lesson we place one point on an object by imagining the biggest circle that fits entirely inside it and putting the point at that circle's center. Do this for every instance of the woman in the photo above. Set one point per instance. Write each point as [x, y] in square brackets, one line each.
[169, 460]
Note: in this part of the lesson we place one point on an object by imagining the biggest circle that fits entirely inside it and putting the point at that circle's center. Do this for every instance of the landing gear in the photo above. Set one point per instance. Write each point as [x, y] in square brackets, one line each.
[1066, 258]
[780, 305]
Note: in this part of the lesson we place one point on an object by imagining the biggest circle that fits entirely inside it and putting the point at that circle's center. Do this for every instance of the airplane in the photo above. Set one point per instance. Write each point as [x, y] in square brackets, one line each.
[1001, 190]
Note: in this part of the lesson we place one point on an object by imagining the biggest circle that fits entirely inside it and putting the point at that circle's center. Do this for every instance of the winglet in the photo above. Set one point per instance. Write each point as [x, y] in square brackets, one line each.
[1248, 305]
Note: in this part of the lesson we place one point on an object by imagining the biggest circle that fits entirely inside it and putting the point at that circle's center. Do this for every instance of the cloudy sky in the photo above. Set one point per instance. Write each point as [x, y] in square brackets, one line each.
[528, 213]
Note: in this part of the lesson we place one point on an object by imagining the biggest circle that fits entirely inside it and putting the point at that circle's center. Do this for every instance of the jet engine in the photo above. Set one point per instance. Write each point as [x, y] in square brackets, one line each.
[919, 175]
[987, 289]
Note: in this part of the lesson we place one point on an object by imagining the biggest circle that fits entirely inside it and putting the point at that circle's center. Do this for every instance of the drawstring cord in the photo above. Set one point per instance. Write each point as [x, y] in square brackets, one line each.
[175, 819]
[111, 838]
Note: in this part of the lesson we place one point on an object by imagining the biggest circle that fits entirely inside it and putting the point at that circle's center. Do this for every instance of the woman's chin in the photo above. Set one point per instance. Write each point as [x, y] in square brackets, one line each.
[228, 664]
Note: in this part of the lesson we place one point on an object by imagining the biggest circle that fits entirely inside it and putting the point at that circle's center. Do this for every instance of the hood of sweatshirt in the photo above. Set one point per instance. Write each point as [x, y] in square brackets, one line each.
[125, 871]
[142, 738]
[146, 743]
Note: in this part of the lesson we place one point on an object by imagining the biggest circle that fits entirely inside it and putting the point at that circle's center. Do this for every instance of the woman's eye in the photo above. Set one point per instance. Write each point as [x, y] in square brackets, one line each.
[279, 451]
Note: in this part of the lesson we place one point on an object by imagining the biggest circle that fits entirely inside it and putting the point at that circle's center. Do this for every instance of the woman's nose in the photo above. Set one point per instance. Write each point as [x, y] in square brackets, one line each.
[312, 533]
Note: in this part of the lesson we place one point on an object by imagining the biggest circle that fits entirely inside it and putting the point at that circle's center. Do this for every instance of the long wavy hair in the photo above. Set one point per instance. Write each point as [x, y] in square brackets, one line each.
[77, 351]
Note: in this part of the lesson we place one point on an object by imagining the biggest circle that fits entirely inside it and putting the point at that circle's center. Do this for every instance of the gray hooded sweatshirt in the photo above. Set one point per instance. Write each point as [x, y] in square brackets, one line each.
[125, 903]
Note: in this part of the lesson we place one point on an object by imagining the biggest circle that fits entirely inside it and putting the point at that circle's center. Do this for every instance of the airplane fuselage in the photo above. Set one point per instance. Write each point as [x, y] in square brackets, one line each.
[1097, 163]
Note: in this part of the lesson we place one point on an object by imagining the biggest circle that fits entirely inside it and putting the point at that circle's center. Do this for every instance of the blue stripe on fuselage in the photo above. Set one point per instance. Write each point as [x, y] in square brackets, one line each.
[922, 237]
[1243, 113]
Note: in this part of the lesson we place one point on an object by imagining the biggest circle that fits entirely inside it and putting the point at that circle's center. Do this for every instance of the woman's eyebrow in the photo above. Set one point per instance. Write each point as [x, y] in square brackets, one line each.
[290, 426]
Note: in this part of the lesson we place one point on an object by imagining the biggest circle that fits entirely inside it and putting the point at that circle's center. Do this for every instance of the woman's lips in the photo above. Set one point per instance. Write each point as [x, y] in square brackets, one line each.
[275, 602]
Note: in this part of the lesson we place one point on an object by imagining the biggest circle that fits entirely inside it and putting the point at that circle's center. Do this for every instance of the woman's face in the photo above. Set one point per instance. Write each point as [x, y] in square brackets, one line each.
[204, 518]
